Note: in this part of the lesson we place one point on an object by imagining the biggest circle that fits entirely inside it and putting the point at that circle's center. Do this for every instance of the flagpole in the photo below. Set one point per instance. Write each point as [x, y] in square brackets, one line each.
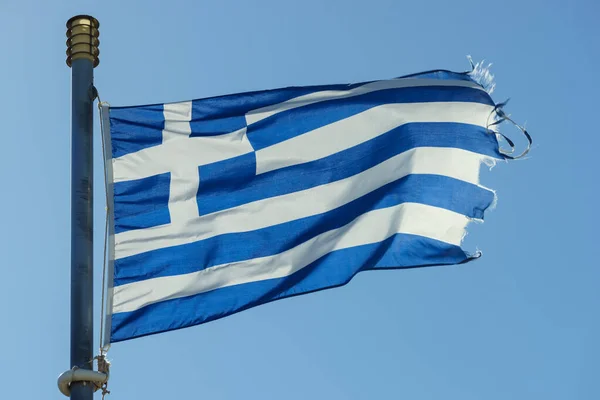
[82, 57]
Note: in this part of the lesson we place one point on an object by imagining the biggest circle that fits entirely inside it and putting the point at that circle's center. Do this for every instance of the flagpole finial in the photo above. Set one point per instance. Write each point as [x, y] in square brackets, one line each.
[82, 39]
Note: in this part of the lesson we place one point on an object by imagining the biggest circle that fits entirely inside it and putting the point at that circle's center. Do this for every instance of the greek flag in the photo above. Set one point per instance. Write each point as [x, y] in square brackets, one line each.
[221, 204]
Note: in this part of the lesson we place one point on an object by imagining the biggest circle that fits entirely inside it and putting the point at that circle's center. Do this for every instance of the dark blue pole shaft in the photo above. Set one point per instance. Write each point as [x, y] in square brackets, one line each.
[82, 224]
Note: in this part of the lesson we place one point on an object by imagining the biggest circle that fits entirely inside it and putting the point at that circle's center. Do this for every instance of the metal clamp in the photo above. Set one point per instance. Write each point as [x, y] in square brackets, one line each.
[98, 378]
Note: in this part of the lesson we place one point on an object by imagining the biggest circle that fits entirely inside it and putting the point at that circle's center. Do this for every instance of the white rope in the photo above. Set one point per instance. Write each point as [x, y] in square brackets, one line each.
[106, 216]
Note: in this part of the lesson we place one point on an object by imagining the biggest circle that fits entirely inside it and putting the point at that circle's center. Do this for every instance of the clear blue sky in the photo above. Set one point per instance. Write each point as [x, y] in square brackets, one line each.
[521, 323]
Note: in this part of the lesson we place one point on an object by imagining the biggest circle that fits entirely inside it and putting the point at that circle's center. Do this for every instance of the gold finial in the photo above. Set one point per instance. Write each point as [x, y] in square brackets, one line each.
[82, 39]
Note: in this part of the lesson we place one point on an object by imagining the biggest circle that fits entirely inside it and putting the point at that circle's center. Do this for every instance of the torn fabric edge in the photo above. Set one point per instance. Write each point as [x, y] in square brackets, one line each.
[481, 74]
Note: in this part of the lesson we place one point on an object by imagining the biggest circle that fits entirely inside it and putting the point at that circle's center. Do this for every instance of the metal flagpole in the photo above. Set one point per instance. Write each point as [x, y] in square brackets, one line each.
[82, 57]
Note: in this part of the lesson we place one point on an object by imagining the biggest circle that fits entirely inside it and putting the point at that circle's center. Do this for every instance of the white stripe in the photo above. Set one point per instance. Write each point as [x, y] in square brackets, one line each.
[182, 195]
[359, 128]
[177, 120]
[372, 227]
[311, 98]
[176, 154]
[184, 178]
[456, 163]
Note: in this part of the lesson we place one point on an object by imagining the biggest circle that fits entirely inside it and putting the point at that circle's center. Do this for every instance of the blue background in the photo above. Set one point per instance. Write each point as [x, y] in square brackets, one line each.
[520, 323]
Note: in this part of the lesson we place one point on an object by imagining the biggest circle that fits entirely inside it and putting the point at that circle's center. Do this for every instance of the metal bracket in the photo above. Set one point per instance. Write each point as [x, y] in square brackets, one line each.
[93, 93]
[80, 375]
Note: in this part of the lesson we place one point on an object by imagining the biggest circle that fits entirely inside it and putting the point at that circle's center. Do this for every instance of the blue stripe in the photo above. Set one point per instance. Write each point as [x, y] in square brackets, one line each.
[142, 203]
[442, 75]
[291, 123]
[434, 190]
[233, 182]
[217, 127]
[221, 115]
[225, 114]
[135, 128]
[335, 269]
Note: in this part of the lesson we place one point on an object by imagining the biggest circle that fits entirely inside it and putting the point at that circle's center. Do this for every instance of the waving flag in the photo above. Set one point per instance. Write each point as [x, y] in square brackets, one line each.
[226, 203]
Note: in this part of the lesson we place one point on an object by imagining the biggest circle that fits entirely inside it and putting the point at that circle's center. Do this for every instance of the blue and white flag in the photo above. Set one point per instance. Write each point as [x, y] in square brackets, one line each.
[226, 203]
